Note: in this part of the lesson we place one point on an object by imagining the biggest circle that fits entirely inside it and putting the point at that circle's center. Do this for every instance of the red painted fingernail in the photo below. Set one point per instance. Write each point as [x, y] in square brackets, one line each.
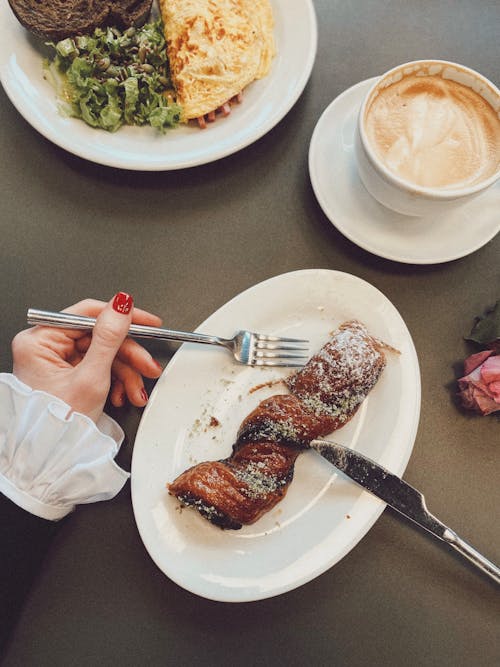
[123, 303]
[144, 394]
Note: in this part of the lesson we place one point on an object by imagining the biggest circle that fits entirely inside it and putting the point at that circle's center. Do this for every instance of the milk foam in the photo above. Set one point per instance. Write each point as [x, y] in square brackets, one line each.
[434, 132]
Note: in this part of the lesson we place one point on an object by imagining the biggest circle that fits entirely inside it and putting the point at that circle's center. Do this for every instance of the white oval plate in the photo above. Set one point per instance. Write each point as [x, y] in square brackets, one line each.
[322, 516]
[265, 102]
[356, 214]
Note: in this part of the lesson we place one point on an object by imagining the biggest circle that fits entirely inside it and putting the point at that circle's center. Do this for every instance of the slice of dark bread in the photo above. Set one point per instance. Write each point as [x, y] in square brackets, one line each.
[57, 19]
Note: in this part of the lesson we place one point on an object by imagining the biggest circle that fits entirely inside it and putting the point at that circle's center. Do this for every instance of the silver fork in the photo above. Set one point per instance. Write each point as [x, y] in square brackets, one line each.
[248, 348]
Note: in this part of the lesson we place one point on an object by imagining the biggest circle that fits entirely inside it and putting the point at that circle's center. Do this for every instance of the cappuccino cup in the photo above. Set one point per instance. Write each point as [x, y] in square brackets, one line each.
[428, 137]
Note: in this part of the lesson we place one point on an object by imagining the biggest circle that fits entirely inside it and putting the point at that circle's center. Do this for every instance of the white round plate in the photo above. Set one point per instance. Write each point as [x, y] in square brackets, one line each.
[194, 413]
[348, 206]
[265, 102]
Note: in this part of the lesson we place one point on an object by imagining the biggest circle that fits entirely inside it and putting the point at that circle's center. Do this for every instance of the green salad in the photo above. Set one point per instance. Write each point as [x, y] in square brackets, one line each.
[113, 78]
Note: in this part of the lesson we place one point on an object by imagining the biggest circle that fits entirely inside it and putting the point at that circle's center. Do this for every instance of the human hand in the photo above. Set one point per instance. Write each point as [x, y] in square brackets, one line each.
[80, 367]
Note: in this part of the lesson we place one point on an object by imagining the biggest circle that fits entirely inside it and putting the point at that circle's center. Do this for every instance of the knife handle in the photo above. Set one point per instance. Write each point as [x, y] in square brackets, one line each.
[471, 554]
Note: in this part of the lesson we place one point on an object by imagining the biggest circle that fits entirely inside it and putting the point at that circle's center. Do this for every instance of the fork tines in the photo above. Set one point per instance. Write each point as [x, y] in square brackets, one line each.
[276, 351]
[275, 341]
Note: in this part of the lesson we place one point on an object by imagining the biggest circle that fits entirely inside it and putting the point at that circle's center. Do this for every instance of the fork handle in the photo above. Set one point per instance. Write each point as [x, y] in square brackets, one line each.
[81, 322]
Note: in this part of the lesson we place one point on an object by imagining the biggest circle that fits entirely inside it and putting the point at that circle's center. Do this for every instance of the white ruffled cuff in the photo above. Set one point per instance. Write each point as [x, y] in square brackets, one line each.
[52, 459]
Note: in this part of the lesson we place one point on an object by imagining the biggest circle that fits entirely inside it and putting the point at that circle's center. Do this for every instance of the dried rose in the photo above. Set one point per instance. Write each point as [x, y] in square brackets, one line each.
[480, 385]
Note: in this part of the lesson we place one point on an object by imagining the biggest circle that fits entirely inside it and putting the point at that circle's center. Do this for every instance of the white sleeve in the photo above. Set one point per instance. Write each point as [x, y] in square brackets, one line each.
[52, 459]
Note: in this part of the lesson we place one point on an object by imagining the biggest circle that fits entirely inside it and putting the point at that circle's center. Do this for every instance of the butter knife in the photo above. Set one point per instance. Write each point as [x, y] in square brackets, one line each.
[399, 495]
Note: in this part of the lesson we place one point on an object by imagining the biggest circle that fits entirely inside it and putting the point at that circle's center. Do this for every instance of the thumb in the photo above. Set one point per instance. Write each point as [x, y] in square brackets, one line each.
[110, 331]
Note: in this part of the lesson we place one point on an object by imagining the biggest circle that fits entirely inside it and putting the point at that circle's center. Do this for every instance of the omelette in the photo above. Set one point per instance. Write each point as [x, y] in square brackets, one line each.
[215, 49]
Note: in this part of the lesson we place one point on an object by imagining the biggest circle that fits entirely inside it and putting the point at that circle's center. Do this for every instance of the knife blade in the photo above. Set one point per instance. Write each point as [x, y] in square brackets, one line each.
[402, 497]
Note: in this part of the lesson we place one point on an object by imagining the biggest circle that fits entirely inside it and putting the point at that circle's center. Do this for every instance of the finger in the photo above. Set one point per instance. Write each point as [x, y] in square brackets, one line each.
[138, 358]
[131, 353]
[93, 307]
[117, 394]
[132, 383]
[89, 308]
[110, 330]
[83, 343]
[75, 358]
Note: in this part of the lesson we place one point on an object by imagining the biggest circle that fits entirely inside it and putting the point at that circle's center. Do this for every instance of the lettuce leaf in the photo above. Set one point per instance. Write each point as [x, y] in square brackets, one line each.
[112, 78]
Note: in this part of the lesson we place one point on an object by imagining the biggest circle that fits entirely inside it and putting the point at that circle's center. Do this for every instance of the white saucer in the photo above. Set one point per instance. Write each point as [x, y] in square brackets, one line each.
[348, 206]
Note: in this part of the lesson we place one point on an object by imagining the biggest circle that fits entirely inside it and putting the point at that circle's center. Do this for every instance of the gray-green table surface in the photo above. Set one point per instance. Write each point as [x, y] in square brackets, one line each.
[183, 243]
